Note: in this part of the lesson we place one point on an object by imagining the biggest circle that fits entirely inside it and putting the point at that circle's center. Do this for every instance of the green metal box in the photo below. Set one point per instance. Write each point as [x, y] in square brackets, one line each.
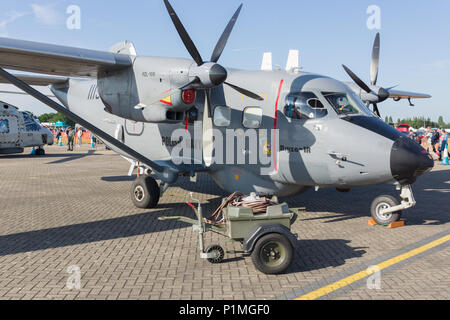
[241, 221]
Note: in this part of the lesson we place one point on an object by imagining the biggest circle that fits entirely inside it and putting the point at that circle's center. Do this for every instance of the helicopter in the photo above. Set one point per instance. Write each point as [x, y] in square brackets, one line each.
[267, 132]
[20, 130]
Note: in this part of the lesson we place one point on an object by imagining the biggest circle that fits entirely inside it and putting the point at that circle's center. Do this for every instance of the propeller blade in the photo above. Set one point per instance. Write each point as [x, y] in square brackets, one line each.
[208, 136]
[225, 35]
[357, 80]
[374, 65]
[245, 92]
[188, 43]
[376, 110]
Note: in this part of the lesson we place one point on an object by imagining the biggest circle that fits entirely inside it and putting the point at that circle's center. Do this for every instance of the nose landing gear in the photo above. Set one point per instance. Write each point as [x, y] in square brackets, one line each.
[387, 209]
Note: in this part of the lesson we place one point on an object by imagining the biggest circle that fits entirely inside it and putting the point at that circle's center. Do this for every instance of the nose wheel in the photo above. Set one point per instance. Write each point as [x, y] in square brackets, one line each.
[387, 209]
[145, 192]
[379, 207]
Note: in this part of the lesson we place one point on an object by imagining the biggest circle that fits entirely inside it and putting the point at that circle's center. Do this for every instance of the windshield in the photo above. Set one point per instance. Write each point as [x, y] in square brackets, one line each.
[346, 103]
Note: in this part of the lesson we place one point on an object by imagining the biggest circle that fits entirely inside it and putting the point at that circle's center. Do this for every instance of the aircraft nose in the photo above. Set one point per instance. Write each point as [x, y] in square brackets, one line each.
[409, 160]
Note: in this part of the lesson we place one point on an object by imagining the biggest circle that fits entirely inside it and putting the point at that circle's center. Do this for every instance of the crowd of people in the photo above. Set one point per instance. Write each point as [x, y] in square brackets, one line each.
[435, 141]
[73, 135]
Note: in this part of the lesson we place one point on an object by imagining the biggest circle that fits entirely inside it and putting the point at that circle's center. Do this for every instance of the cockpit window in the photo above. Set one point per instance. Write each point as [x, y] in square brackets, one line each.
[30, 123]
[346, 104]
[304, 106]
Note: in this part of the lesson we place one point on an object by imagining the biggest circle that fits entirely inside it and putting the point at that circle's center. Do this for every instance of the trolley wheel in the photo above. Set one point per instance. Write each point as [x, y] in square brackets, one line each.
[145, 193]
[218, 252]
[384, 202]
[273, 254]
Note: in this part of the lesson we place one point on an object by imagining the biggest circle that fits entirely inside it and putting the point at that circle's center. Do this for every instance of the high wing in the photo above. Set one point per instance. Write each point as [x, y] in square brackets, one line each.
[58, 60]
[397, 94]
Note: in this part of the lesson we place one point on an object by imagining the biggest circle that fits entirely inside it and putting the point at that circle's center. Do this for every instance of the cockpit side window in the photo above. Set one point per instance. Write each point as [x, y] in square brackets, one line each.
[304, 106]
[30, 123]
[342, 103]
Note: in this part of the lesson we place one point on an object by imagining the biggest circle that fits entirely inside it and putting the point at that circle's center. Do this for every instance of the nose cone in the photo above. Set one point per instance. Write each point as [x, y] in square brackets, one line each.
[218, 74]
[409, 160]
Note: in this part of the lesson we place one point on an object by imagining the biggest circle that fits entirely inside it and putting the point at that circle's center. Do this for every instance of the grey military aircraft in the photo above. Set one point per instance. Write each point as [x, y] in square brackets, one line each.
[311, 131]
[19, 130]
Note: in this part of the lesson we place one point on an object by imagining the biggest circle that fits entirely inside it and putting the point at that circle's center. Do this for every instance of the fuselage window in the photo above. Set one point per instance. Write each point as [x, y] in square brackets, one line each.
[252, 117]
[4, 126]
[304, 106]
[222, 116]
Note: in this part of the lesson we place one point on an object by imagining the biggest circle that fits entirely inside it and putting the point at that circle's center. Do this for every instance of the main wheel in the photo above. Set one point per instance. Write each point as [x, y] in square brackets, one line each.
[145, 193]
[40, 152]
[218, 252]
[273, 254]
[385, 202]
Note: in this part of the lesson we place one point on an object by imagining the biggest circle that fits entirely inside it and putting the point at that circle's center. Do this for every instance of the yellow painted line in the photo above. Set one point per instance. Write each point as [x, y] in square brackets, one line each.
[360, 275]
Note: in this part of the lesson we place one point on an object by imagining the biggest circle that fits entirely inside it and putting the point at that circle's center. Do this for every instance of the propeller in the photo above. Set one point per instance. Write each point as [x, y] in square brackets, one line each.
[375, 93]
[207, 75]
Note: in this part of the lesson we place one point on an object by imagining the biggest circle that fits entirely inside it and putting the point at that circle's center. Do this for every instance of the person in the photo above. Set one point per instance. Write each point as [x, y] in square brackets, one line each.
[435, 143]
[58, 135]
[444, 142]
[70, 137]
[80, 137]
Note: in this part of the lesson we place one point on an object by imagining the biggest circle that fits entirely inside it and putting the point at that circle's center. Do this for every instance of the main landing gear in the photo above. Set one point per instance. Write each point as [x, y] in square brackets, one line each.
[145, 192]
[387, 209]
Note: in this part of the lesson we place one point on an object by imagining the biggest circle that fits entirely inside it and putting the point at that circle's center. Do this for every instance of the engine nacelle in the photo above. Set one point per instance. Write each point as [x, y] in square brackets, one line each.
[130, 93]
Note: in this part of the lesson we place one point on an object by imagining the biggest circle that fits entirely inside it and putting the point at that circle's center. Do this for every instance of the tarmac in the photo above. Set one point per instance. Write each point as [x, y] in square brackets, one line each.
[69, 216]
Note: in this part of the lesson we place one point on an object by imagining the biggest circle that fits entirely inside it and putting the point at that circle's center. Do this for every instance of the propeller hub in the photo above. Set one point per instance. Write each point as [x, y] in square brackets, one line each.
[209, 74]
[218, 74]
[383, 95]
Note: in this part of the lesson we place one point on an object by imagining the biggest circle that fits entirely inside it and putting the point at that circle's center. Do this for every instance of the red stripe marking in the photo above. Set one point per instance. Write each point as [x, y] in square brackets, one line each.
[168, 103]
[275, 125]
[186, 127]
[190, 205]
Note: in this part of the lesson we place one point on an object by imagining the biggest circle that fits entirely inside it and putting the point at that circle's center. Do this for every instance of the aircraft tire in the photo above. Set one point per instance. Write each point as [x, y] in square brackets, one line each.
[145, 193]
[382, 202]
[40, 152]
[273, 254]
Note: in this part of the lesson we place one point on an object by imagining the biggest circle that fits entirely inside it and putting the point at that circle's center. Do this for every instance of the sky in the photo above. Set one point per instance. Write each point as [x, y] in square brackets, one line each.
[415, 38]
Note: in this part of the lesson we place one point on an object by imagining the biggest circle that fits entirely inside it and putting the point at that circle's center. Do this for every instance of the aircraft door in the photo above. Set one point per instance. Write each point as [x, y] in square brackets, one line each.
[299, 124]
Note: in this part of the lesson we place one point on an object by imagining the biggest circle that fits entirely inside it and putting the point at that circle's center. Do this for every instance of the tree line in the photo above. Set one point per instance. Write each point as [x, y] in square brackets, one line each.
[419, 122]
[55, 117]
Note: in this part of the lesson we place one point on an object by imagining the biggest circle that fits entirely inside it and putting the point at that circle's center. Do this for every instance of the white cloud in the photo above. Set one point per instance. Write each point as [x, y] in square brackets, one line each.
[46, 14]
[12, 16]
[441, 64]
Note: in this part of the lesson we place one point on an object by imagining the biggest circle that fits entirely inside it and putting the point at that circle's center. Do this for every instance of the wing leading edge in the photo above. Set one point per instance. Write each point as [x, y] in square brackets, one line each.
[58, 60]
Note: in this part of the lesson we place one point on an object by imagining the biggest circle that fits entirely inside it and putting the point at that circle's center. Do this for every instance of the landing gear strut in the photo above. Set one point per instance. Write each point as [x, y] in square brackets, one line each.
[387, 209]
[145, 192]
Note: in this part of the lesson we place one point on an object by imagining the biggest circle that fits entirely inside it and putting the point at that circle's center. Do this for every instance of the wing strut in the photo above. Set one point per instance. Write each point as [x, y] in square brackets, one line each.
[98, 132]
